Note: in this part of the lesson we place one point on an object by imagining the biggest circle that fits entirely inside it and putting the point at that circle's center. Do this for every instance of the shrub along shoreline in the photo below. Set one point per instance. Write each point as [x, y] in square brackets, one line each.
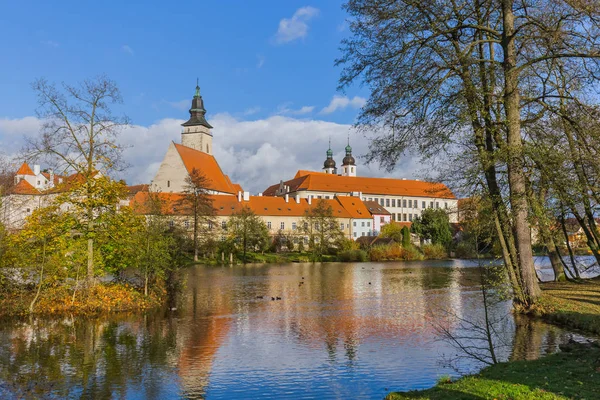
[104, 297]
[98, 299]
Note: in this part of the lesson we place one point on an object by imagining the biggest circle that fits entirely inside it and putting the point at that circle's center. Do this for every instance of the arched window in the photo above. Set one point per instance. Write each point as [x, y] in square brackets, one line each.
[207, 149]
[352, 169]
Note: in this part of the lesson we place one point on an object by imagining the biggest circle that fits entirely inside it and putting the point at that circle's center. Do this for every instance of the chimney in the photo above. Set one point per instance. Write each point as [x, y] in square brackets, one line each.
[51, 183]
[260, 195]
[239, 197]
[36, 170]
[297, 199]
[287, 198]
[246, 196]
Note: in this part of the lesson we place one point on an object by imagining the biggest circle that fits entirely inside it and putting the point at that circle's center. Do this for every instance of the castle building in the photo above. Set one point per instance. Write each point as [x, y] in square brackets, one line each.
[403, 199]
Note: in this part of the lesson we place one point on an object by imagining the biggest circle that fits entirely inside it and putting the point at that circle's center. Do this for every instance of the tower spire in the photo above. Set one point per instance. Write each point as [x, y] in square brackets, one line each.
[329, 164]
[348, 163]
[197, 112]
[197, 94]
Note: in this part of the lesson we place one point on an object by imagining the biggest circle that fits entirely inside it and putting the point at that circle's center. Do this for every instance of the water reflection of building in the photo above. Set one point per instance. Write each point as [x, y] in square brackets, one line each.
[203, 326]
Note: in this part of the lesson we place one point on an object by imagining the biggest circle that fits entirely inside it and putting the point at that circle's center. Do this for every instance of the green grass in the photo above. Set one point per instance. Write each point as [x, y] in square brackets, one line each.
[573, 374]
[575, 305]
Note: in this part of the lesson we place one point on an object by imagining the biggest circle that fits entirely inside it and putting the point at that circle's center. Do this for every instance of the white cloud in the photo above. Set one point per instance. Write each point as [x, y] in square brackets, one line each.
[127, 49]
[341, 102]
[284, 109]
[294, 28]
[260, 61]
[255, 154]
[251, 111]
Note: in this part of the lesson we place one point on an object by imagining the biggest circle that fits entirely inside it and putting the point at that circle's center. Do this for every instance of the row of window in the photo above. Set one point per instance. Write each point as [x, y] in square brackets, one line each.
[404, 217]
[363, 223]
[186, 223]
[369, 233]
[404, 203]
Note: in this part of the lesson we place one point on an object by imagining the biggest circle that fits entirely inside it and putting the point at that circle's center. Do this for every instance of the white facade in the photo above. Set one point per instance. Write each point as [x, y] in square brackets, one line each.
[402, 208]
[407, 208]
[348, 170]
[362, 227]
[171, 175]
[379, 220]
[39, 180]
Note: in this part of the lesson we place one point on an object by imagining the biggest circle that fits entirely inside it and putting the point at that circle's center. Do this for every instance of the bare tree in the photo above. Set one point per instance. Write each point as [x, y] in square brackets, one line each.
[79, 136]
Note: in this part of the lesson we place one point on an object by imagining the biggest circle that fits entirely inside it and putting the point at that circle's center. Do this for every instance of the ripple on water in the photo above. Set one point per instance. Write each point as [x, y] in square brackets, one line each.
[349, 331]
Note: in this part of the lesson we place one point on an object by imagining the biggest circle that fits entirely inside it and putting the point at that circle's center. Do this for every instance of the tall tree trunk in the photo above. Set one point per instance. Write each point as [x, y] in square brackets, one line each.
[537, 204]
[555, 260]
[515, 162]
[569, 248]
[568, 274]
[196, 235]
[484, 142]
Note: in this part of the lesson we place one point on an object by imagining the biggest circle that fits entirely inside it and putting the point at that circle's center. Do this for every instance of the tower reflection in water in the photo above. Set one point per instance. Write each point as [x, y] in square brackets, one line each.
[339, 330]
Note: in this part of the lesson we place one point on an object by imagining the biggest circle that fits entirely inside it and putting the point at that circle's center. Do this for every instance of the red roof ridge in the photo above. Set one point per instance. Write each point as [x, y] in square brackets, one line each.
[321, 182]
[25, 169]
[24, 187]
[209, 166]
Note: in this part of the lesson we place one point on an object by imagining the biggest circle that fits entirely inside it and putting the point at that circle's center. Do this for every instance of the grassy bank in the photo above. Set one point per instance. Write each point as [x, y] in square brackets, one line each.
[102, 298]
[572, 374]
[575, 305]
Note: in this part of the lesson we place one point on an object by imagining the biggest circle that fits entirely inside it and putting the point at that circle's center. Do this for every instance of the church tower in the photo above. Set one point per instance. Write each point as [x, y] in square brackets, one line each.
[348, 163]
[196, 131]
[329, 164]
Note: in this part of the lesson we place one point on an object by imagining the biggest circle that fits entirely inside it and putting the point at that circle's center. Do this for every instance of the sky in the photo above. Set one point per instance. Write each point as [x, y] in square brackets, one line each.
[265, 68]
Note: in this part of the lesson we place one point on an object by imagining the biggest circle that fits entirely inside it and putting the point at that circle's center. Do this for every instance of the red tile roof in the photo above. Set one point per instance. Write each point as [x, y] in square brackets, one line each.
[24, 187]
[375, 208]
[208, 165]
[321, 182]
[25, 170]
[355, 206]
[226, 205]
[132, 190]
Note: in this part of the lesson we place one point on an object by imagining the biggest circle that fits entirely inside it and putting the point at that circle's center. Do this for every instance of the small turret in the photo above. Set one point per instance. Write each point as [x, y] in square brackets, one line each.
[329, 164]
[348, 163]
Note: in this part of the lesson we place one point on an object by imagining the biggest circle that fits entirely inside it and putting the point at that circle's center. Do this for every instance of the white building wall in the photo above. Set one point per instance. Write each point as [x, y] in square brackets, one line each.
[403, 208]
[16, 207]
[170, 177]
[379, 221]
[362, 227]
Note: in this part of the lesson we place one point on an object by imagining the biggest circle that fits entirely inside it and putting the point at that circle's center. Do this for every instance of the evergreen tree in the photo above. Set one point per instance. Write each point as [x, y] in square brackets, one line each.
[433, 225]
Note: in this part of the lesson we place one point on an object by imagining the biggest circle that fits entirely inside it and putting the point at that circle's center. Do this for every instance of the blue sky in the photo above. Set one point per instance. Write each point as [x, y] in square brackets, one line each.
[266, 69]
[155, 50]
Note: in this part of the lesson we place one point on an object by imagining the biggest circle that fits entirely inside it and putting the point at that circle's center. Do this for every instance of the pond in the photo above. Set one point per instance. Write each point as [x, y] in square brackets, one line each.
[339, 331]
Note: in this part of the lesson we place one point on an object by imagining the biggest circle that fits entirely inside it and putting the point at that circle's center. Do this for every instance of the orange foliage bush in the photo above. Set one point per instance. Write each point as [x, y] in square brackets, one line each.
[394, 252]
[101, 298]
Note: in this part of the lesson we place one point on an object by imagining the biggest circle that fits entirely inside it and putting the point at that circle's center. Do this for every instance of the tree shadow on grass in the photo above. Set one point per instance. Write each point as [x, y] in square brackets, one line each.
[573, 374]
